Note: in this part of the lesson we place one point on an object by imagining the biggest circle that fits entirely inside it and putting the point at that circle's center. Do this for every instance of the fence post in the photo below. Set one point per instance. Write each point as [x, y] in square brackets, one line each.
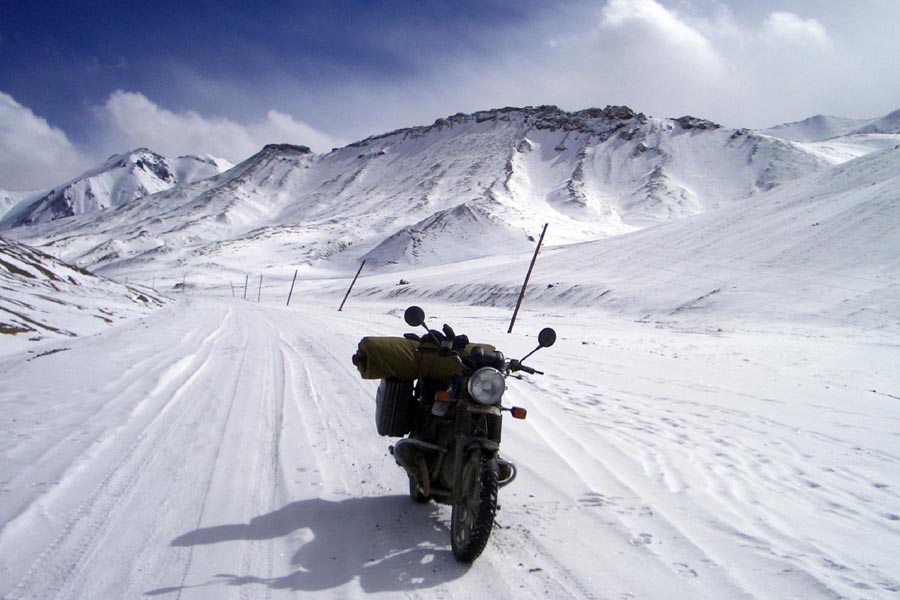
[259, 293]
[351, 285]
[232, 287]
[291, 293]
[527, 277]
[246, 281]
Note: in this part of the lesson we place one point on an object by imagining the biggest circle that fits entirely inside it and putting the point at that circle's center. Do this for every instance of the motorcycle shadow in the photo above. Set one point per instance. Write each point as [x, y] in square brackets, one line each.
[388, 543]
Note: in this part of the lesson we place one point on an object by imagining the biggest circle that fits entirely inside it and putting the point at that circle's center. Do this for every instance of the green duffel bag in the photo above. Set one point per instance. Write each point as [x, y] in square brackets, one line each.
[397, 358]
[387, 358]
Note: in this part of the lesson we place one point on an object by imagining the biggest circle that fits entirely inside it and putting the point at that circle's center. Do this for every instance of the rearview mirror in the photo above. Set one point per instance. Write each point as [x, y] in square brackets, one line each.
[547, 337]
[414, 316]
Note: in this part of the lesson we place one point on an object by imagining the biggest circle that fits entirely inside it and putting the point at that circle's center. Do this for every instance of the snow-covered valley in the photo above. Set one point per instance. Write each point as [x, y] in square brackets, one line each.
[219, 448]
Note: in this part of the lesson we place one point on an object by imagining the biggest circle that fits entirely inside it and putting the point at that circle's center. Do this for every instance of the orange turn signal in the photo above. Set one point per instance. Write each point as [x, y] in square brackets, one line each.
[442, 396]
[518, 412]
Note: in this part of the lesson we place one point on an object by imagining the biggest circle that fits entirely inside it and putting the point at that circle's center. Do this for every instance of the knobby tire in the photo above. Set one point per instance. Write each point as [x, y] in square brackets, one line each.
[472, 516]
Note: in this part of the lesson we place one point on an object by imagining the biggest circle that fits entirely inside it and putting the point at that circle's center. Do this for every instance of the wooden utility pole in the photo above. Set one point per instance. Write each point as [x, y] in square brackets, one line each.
[527, 277]
[291, 293]
[351, 285]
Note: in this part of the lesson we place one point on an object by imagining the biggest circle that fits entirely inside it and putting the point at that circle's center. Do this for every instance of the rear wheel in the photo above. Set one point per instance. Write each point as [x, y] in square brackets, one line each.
[472, 516]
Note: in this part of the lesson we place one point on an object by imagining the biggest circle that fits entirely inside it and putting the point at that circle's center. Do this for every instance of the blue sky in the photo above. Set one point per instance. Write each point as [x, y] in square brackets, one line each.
[82, 80]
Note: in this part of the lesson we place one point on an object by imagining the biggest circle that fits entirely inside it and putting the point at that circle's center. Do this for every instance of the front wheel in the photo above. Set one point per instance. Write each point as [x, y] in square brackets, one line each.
[473, 513]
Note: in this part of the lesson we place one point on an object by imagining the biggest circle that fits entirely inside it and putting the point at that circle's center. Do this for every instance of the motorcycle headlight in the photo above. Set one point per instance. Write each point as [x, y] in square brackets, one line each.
[486, 386]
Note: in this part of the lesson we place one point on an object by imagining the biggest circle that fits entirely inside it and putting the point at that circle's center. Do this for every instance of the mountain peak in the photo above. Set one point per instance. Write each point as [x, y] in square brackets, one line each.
[598, 121]
[121, 179]
[689, 122]
[822, 127]
[889, 123]
[286, 149]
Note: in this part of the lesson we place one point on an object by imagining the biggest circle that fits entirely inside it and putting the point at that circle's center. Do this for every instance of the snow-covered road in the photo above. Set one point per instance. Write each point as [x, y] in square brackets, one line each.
[220, 449]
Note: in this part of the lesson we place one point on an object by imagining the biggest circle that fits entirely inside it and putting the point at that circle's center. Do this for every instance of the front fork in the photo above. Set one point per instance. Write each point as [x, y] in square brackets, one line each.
[465, 442]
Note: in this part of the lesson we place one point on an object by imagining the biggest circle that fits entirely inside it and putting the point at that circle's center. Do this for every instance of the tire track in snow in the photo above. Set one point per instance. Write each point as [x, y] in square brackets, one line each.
[743, 486]
[610, 496]
[232, 397]
[763, 469]
[65, 453]
[64, 558]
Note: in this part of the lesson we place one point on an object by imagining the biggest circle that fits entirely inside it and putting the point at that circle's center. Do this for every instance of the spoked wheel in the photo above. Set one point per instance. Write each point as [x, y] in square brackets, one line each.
[473, 514]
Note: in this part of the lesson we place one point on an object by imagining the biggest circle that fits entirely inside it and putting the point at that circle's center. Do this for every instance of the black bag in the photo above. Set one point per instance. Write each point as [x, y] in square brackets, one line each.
[395, 406]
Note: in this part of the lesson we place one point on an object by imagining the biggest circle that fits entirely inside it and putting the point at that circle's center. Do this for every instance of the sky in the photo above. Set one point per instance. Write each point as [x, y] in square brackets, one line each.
[80, 81]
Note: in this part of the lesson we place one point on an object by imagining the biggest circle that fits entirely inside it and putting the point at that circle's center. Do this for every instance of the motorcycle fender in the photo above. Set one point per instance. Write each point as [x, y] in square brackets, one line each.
[482, 444]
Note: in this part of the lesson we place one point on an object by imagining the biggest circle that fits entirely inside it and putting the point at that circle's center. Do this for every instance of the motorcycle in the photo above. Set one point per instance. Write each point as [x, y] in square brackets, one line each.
[452, 452]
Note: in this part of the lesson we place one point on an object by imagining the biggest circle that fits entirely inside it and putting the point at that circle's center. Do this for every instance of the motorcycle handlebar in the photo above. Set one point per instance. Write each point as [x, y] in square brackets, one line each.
[444, 350]
[531, 371]
[515, 365]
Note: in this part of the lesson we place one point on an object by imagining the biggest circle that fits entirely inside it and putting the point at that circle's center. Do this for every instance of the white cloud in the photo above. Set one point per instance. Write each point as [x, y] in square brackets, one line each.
[666, 26]
[132, 120]
[662, 28]
[33, 154]
[36, 155]
[744, 66]
[791, 28]
[634, 52]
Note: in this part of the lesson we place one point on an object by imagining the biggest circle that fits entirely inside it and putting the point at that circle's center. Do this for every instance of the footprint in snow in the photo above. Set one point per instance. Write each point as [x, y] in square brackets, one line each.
[643, 539]
[684, 570]
[595, 500]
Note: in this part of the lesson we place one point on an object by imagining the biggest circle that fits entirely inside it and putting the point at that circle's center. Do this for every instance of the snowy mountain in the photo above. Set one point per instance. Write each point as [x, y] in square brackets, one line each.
[887, 124]
[822, 127]
[817, 128]
[43, 298]
[120, 180]
[819, 250]
[836, 139]
[425, 195]
[9, 199]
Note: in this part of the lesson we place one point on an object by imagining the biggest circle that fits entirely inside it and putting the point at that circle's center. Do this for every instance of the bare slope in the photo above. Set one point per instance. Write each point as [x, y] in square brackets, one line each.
[44, 298]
